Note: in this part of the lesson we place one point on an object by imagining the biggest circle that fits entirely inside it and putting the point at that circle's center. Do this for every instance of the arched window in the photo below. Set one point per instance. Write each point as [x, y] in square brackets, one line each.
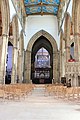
[42, 58]
[72, 51]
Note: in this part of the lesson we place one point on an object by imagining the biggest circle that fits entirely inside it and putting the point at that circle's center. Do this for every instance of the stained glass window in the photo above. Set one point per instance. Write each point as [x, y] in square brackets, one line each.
[42, 58]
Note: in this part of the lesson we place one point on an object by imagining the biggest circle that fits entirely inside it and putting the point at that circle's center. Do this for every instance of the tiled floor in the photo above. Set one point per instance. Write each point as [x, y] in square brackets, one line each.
[39, 106]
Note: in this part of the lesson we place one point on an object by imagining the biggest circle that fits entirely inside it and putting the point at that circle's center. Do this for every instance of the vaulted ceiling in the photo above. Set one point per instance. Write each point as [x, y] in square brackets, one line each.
[41, 7]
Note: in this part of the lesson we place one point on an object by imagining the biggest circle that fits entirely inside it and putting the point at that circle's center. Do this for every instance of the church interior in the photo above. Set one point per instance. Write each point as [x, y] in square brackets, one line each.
[39, 49]
[39, 42]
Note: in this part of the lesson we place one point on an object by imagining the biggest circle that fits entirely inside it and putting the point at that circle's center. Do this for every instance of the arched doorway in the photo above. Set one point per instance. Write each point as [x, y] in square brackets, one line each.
[42, 61]
[54, 51]
[9, 63]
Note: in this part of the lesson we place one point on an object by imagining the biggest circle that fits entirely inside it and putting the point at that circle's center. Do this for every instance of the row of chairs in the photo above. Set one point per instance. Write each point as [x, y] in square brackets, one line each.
[60, 91]
[15, 91]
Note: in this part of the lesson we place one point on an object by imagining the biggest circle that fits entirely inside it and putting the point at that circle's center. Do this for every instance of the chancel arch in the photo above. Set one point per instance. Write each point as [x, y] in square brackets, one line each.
[55, 54]
[42, 61]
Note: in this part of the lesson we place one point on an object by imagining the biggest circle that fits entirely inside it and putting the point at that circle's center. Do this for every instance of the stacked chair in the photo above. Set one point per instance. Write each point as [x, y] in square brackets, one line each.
[63, 92]
[15, 91]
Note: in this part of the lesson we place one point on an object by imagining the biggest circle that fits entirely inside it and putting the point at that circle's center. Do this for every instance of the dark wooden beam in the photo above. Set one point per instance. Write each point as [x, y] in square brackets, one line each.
[41, 13]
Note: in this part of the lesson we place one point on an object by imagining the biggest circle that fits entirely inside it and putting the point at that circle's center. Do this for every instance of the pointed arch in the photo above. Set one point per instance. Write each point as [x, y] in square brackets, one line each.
[55, 52]
[46, 35]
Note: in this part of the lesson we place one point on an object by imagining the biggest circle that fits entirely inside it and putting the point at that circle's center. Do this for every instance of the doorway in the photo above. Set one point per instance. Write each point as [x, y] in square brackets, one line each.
[39, 40]
[42, 61]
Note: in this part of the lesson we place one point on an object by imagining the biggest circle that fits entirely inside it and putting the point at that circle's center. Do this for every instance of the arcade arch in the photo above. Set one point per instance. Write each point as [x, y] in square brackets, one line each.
[55, 52]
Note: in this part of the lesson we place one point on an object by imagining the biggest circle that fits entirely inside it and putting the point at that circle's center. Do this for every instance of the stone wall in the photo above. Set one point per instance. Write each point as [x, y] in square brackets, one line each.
[56, 60]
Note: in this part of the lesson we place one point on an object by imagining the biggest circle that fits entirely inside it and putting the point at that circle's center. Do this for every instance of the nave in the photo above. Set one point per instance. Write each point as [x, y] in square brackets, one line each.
[40, 105]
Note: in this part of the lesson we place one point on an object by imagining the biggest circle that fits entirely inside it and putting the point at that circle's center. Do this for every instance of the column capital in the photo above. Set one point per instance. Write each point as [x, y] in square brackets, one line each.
[5, 35]
[23, 49]
[28, 51]
[67, 47]
[11, 37]
[15, 47]
[20, 55]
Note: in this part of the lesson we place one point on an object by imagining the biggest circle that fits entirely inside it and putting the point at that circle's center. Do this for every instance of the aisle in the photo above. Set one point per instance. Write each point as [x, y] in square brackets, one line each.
[39, 106]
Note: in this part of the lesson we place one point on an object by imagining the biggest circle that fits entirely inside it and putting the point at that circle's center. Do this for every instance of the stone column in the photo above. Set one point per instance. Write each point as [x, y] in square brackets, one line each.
[76, 22]
[67, 38]
[3, 58]
[63, 63]
[56, 66]
[14, 65]
[62, 55]
[76, 48]
[27, 75]
[5, 29]
[15, 48]
[18, 67]
[75, 80]
[67, 53]
[21, 57]
[20, 74]
[24, 66]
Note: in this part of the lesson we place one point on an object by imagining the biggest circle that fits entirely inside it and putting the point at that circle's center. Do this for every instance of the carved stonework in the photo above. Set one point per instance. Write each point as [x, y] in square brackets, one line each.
[72, 70]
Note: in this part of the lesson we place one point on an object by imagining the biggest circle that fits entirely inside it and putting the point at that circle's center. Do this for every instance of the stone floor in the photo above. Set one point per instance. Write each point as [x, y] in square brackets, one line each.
[39, 106]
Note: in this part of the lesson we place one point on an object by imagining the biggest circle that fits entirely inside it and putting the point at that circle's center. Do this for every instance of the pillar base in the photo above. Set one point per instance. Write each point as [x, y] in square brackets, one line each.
[1, 78]
[13, 79]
